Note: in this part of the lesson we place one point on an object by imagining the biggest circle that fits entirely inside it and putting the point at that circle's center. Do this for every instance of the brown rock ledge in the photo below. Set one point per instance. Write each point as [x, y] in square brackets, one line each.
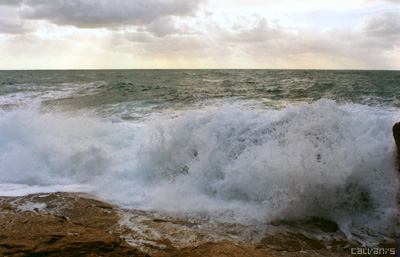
[32, 233]
[67, 224]
[64, 224]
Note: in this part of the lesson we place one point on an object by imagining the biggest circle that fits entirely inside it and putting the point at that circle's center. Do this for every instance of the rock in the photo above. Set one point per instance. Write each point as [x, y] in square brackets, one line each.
[222, 250]
[396, 135]
[70, 224]
[33, 233]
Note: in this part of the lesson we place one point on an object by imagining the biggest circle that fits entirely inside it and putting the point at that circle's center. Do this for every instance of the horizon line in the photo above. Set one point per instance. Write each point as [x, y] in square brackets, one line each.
[304, 69]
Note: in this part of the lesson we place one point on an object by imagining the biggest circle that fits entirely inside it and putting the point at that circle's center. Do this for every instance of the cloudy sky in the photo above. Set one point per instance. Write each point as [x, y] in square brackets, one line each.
[132, 34]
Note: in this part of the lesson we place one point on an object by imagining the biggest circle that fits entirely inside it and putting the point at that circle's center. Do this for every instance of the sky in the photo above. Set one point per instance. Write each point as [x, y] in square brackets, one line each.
[200, 34]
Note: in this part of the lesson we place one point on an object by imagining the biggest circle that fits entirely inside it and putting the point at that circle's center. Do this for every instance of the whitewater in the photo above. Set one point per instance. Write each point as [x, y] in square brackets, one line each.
[231, 147]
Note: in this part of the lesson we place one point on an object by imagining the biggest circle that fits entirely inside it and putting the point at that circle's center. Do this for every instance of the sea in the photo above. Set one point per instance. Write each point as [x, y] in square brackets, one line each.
[243, 148]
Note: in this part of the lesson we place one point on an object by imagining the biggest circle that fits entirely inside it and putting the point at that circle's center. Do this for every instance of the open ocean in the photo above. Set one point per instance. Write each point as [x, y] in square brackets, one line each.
[242, 147]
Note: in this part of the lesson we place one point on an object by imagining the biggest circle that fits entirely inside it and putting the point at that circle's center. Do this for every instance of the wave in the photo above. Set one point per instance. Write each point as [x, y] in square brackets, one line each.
[313, 160]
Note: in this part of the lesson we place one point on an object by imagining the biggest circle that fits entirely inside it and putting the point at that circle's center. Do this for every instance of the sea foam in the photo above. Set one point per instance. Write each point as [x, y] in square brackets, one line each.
[313, 160]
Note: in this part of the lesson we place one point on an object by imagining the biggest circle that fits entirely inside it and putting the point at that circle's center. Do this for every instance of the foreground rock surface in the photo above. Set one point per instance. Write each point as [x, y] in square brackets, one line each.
[27, 231]
[65, 224]
[31, 233]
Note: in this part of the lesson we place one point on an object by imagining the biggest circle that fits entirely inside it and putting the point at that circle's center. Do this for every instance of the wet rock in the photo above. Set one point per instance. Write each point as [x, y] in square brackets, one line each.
[396, 135]
[222, 250]
[39, 234]
[31, 232]
[70, 224]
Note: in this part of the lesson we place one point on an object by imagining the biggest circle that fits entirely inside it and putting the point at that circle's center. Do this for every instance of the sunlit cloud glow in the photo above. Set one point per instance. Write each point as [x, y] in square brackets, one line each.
[88, 34]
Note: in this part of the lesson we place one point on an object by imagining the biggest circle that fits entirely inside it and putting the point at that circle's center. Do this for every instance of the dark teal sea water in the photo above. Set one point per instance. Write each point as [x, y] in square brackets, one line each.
[235, 146]
[164, 89]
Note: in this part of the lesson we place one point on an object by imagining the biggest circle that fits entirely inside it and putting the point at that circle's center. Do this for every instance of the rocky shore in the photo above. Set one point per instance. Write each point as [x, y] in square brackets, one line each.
[69, 224]
[73, 224]
[64, 224]
[27, 231]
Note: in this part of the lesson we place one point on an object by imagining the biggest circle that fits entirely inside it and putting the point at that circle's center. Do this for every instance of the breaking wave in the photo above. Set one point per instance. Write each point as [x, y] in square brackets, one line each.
[313, 160]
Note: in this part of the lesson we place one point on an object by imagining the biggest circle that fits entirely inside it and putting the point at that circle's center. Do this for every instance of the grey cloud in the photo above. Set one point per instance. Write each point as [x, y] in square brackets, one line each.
[106, 13]
[12, 26]
[146, 45]
[186, 46]
[162, 27]
[30, 45]
[383, 25]
[378, 34]
[11, 2]
[256, 29]
[139, 37]
[305, 42]
[264, 41]
[253, 36]
[133, 37]
[390, 1]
